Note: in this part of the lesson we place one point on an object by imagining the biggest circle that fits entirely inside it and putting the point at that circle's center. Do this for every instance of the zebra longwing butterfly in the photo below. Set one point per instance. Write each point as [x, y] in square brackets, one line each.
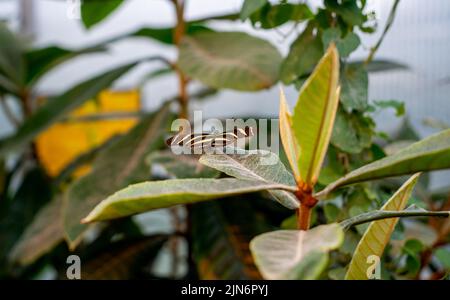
[209, 140]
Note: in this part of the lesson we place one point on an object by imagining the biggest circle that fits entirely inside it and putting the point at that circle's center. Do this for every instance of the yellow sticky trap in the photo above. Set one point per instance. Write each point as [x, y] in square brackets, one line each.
[64, 141]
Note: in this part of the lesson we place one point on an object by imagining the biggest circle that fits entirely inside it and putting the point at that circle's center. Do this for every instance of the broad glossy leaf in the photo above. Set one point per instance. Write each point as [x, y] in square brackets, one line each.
[151, 195]
[118, 165]
[42, 235]
[351, 132]
[251, 6]
[221, 232]
[95, 11]
[282, 254]
[12, 64]
[355, 85]
[378, 233]
[314, 115]
[124, 260]
[258, 165]
[55, 108]
[431, 153]
[303, 55]
[233, 60]
[290, 145]
[40, 61]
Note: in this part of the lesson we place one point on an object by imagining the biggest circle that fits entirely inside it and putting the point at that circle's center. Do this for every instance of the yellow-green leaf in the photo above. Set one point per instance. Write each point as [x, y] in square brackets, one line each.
[287, 136]
[379, 232]
[314, 115]
[145, 196]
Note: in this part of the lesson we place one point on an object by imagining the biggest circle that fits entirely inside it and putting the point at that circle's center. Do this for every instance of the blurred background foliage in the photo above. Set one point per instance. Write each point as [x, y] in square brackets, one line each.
[69, 150]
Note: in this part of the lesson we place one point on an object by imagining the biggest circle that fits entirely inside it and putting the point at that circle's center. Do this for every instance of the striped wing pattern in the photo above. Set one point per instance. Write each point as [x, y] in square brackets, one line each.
[209, 140]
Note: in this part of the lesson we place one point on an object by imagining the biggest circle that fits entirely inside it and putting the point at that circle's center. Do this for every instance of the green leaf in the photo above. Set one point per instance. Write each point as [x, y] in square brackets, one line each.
[271, 16]
[258, 165]
[290, 144]
[3, 178]
[42, 235]
[314, 115]
[431, 153]
[378, 233]
[443, 255]
[251, 6]
[42, 60]
[399, 106]
[124, 260]
[233, 60]
[118, 165]
[345, 45]
[180, 166]
[347, 10]
[221, 232]
[12, 64]
[55, 108]
[95, 11]
[17, 212]
[355, 85]
[380, 65]
[311, 267]
[151, 195]
[303, 55]
[351, 133]
[285, 254]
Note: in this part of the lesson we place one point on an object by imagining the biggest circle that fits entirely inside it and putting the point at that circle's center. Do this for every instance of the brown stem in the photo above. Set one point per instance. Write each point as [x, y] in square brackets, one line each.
[177, 37]
[307, 203]
[183, 100]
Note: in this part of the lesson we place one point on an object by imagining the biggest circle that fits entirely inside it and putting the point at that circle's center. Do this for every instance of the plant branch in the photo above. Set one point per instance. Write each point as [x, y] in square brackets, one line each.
[385, 214]
[389, 23]
[307, 203]
[178, 35]
[8, 112]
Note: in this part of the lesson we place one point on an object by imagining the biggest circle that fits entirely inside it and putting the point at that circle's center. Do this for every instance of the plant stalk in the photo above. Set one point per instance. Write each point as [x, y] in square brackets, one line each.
[182, 80]
[8, 112]
[389, 23]
[307, 203]
[380, 214]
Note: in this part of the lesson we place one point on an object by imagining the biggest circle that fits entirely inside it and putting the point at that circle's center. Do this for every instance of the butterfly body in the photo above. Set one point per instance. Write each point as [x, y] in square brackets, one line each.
[208, 140]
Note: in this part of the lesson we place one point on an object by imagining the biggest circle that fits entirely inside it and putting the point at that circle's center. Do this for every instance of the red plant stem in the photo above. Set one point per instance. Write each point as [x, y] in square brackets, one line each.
[307, 203]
